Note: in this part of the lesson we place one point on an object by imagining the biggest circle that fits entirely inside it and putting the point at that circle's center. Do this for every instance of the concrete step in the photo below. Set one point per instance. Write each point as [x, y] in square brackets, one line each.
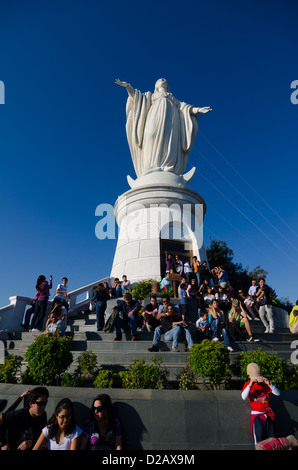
[100, 339]
[118, 355]
[109, 351]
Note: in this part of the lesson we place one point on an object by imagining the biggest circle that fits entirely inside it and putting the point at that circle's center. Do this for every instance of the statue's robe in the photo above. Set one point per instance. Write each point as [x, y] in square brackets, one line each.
[161, 132]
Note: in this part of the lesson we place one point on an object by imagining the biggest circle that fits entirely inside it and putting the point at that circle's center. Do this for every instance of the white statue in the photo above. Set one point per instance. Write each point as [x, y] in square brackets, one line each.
[160, 130]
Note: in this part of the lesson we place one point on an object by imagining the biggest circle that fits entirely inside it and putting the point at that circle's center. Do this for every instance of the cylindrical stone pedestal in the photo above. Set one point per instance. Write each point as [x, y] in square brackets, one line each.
[147, 214]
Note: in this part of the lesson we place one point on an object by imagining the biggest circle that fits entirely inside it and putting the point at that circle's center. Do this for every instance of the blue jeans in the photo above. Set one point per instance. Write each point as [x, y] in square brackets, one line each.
[39, 314]
[100, 314]
[171, 335]
[187, 337]
[129, 323]
[226, 337]
[215, 325]
[198, 276]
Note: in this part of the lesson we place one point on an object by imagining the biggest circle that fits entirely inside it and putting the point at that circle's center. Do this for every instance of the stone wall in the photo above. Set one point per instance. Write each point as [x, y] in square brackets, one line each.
[176, 420]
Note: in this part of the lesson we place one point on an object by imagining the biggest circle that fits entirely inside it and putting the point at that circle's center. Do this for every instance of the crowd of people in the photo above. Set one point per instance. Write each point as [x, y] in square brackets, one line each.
[222, 312]
[28, 428]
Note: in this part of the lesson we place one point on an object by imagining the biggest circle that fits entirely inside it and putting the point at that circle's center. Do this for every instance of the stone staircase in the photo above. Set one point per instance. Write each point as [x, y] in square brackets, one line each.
[118, 355]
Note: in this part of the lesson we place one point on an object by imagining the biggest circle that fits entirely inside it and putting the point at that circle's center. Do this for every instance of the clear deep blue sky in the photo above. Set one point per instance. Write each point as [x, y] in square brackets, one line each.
[63, 145]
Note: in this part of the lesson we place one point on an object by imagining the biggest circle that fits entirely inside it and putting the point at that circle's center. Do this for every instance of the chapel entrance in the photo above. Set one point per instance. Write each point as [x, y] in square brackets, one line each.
[174, 247]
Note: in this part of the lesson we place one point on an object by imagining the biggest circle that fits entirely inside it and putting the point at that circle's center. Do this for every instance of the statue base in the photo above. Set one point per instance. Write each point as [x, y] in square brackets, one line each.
[151, 217]
[160, 177]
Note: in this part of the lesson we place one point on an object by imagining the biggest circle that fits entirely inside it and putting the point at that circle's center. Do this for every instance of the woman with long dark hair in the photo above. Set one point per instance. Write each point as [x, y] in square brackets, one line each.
[61, 432]
[42, 294]
[102, 431]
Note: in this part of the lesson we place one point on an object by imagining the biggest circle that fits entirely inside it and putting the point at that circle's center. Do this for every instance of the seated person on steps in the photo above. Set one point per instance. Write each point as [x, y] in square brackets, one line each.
[128, 317]
[171, 326]
[150, 314]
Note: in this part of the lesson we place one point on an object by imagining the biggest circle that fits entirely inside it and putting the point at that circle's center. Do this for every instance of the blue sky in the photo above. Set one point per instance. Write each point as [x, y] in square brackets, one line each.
[63, 145]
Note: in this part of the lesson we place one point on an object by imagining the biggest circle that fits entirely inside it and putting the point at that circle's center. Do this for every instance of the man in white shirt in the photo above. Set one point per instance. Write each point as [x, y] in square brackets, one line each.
[253, 288]
[61, 292]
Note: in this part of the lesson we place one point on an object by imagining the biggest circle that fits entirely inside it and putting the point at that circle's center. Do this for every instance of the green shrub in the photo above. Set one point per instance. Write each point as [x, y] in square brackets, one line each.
[83, 372]
[143, 288]
[48, 358]
[141, 375]
[9, 369]
[107, 379]
[274, 368]
[210, 360]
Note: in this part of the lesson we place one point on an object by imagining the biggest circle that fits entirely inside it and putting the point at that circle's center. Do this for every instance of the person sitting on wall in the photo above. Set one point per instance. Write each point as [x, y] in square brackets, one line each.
[126, 286]
[61, 293]
[23, 426]
[102, 431]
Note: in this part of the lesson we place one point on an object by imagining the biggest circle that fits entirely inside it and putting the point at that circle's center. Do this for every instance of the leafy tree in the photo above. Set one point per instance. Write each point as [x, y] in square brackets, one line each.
[219, 254]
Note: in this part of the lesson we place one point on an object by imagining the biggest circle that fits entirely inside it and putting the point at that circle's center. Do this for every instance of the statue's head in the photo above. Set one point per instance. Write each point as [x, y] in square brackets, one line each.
[162, 84]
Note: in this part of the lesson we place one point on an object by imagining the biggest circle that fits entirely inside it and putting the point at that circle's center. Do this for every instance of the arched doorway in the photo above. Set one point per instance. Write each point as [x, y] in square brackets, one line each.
[175, 239]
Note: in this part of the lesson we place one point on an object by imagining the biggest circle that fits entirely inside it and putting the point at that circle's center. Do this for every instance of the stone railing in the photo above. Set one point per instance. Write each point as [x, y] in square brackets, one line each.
[11, 316]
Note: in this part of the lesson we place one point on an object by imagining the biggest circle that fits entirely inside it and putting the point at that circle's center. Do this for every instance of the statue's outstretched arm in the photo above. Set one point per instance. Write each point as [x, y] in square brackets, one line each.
[205, 110]
[128, 87]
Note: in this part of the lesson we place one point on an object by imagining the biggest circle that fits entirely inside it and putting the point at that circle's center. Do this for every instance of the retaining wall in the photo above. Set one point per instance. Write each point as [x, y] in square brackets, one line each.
[174, 419]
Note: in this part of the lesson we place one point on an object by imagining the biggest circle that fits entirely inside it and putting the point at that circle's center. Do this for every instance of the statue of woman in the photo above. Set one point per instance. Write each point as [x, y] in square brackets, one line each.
[160, 130]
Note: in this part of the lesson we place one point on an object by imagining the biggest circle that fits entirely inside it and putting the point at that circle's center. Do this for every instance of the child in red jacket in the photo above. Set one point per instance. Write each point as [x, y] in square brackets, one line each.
[257, 390]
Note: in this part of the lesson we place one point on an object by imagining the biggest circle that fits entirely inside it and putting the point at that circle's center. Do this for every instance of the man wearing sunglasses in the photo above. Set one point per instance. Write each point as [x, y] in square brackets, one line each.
[22, 427]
